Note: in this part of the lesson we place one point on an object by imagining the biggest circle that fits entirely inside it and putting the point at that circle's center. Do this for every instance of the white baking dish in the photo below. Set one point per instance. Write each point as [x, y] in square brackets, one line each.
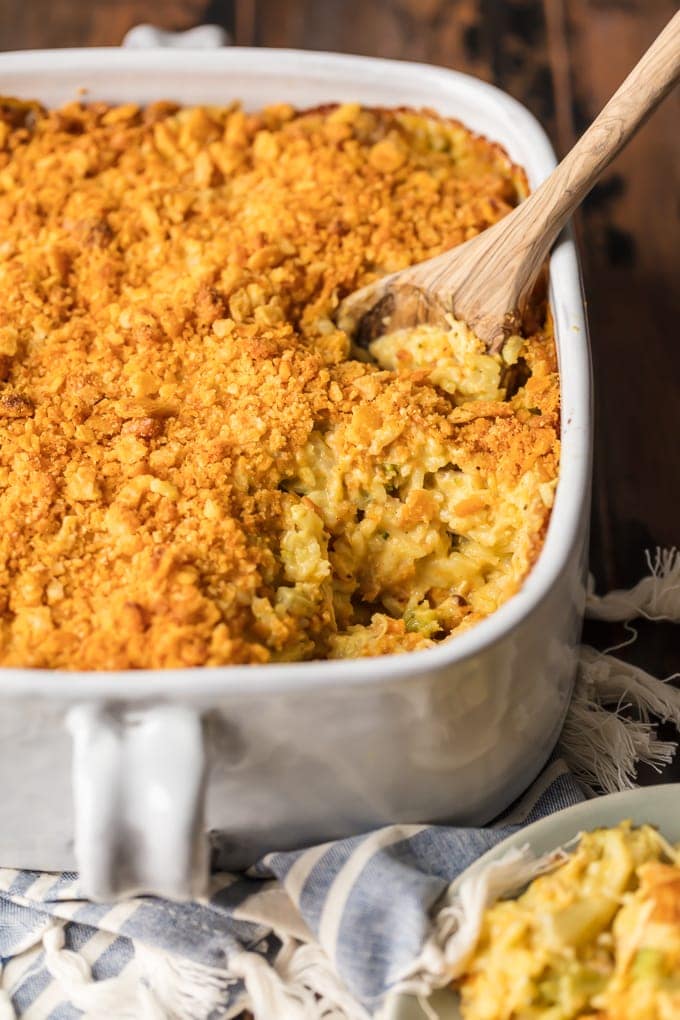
[282, 755]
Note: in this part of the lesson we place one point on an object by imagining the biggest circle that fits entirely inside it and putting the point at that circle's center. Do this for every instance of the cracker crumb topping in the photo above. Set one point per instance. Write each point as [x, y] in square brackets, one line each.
[195, 468]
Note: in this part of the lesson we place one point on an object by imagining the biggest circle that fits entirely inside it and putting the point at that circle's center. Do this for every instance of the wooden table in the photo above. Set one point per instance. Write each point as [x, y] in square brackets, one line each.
[562, 58]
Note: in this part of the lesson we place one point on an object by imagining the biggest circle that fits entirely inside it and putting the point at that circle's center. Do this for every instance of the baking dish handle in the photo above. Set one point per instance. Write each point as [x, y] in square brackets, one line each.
[138, 787]
[202, 37]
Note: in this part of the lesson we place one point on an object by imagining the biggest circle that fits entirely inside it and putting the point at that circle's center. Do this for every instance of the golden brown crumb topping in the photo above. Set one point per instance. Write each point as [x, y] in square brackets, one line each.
[193, 468]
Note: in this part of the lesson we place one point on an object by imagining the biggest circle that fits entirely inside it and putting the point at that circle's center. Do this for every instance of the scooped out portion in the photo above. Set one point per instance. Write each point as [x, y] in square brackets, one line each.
[435, 489]
[196, 466]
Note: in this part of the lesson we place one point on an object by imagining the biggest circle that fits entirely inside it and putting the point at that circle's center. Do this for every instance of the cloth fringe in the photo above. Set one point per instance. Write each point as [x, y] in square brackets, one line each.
[608, 734]
[158, 987]
[300, 984]
[655, 597]
[182, 989]
[602, 745]
[127, 997]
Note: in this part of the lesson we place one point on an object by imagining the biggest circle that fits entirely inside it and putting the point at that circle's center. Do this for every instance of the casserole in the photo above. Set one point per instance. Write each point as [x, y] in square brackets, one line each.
[281, 755]
[197, 469]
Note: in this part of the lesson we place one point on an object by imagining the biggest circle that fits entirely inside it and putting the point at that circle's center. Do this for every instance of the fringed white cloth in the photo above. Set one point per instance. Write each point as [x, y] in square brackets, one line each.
[655, 597]
[325, 934]
[608, 734]
[301, 984]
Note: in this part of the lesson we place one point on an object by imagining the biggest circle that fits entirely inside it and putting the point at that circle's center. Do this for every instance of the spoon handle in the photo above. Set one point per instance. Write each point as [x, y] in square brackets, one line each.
[537, 221]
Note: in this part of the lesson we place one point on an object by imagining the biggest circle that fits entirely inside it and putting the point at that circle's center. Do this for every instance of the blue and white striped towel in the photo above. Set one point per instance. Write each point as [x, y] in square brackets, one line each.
[365, 901]
[326, 931]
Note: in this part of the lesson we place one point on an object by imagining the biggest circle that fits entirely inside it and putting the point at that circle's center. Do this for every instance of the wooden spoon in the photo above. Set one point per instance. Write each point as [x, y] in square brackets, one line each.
[485, 281]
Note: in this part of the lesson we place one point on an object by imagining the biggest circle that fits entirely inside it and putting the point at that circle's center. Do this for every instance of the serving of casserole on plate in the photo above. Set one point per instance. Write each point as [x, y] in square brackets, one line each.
[598, 936]
[198, 470]
[595, 935]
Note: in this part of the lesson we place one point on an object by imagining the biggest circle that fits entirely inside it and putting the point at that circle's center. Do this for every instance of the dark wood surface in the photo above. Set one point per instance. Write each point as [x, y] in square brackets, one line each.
[563, 59]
